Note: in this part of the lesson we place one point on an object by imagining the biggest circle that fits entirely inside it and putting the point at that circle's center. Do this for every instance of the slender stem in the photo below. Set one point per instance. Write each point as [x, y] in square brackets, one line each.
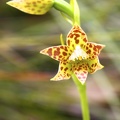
[71, 10]
[83, 98]
[64, 7]
[76, 12]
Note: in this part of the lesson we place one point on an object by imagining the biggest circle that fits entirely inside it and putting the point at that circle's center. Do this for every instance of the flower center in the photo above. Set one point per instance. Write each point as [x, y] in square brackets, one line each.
[78, 54]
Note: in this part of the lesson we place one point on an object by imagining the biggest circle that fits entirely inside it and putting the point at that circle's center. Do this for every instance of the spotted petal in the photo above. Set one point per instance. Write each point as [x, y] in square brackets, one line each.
[60, 53]
[76, 37]
[94, 65]
[93, 49]
[37, 7]
[81, 75]
[64, 72]
[81, 70]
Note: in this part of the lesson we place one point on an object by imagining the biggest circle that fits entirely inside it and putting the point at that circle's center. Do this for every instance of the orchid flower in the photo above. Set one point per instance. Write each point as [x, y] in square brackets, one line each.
[78, 56]
[37, 7]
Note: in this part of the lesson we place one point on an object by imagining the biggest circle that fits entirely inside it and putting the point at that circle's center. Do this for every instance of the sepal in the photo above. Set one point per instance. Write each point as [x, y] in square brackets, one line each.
[37, 7]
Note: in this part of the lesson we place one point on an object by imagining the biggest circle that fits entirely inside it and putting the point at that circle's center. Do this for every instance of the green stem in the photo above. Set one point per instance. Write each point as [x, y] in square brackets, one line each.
[64, 7]
[71, 10]
[83, 98]
[76, 12]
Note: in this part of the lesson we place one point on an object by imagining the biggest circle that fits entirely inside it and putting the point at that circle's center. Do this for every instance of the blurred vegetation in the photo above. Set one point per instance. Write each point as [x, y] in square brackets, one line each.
[25, 90]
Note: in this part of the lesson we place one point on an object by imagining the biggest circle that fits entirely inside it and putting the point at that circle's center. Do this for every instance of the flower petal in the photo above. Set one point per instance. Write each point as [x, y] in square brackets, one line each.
[81, 70]
[94, 65]
[37, 7]
[76, 36]
[93, 49]
[60, 53]
[64, 72]
[81, 75]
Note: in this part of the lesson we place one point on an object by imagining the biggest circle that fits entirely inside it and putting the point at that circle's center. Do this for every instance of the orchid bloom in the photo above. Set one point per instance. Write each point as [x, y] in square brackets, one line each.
[78, 56]
[37, 7]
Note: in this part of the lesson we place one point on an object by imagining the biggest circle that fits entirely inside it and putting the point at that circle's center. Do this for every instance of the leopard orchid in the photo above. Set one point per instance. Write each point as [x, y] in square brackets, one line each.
[78, 56]
[36, 7]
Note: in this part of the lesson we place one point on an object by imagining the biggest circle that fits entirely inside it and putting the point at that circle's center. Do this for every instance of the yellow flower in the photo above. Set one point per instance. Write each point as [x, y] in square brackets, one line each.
[37, 7]
[78, 56]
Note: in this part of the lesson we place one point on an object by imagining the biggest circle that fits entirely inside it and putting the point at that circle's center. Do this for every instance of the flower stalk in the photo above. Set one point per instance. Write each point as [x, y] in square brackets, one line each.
[63, 7]
[71, 10]
[83, 98]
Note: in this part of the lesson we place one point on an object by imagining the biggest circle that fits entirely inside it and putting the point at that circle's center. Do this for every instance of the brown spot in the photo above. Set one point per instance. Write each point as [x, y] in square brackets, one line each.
[70, 69]
[85, 40]
[60, 56]
[66, 69]
[90, 45]
[92, 65]
[95, 64]
[61, 68]
[76, 36]
[56, 53]
[87, 43]
[39, 1]
[85, 72]
[33, 9]
[65, 48]
[99, 47]
[86, 48]
[70, 35]
[94, 53]
[68, 42]
[85, 67]
[58, 49]
[49, 52]
[77, 41]
[76, 27]
[75, 68]
[62, 47]
[68, 74]
[39, 11]
[82, 33]
[76, 30]
[88, 52]
[34, 4]
[81, 45]
[64, 53]
[95, 48]
[64, 63]
[93, 57]
[73, 45]
[79, 69]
